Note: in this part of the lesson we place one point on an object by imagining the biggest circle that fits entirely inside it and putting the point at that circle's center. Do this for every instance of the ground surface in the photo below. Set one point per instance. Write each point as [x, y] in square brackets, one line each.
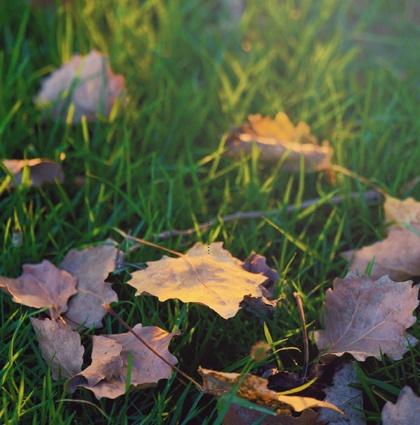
[347, 68]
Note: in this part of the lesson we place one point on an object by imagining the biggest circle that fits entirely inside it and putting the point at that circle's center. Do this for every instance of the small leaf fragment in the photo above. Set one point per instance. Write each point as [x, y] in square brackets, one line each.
[254, 388]
[367, 317]
[91, 266]
[347, 398]
[208, 275]
[42, 285]
[278, 139]
[238, 415]
[402, 212]
[112, 354]
[406, 411]
[41, 171]
[60, 347]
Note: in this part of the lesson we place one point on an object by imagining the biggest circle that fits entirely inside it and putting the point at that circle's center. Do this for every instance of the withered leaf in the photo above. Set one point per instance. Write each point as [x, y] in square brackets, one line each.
[41, 171]
[397, 256]
[278, 139]
[85, 82]
[254, 388]
[238, 415]
[402, 212]
[60, 347]
[43, 285]
[91, 266]
[406, 411]
[262, 306]
[208, 275]
[366, 317]
[347, 398]
[112, 355]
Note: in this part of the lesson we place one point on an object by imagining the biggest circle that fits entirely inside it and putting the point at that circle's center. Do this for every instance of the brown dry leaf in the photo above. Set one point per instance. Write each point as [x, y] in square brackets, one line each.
[42, 285]
[238, 415]
[406, 411]
[402, 212]
[107, 374]
[91, 266]
[206, 274]
[87, 83]
[262, 306]
[278, 139]
[254, 388]
[397, 256]
[366, 317]
[60, 347]
[41, 171]
[347, 398]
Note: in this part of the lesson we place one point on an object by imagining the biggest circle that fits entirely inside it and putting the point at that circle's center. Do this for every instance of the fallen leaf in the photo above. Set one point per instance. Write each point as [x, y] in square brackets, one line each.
[262, 306]
[41, 171]
[254, 388]
[42, 285]
[60, 347]
[278, 139]
[112, 355]
[206, 274]
[366, 317]
[397, 256]
[256, 263]
[402, 212]
[87, 83]
[238, 415]
[406, 411]
[91, 266]
[345, 397]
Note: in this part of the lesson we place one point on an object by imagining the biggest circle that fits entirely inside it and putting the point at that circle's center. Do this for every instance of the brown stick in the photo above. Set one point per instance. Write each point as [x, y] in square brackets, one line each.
[122, 322]
[371, 196]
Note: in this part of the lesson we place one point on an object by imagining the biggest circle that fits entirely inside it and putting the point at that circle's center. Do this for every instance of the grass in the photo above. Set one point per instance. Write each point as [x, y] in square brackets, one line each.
[192, 73]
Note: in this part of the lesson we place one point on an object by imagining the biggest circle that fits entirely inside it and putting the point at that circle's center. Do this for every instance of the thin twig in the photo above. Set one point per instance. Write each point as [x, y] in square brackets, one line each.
[299, 304]
[371, 196]
[349, 173]
[123, 323]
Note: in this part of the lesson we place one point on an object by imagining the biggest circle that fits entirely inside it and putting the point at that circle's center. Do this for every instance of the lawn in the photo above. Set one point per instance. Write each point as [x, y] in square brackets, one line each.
[347, 68]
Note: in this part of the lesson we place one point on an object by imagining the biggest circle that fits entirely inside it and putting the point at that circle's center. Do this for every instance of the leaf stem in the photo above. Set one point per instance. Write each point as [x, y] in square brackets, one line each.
[299, 304]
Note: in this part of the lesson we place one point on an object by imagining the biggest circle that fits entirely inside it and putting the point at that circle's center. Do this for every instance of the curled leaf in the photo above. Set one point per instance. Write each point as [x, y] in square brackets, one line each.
[86, 83]
[42, 285]
[208, 275]
[41, 171]
[254, 388]
[278, 139]
[117, 357]
[91, 266]
[264, 305]
[406, 411]
[366, 317]
[60, 347]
